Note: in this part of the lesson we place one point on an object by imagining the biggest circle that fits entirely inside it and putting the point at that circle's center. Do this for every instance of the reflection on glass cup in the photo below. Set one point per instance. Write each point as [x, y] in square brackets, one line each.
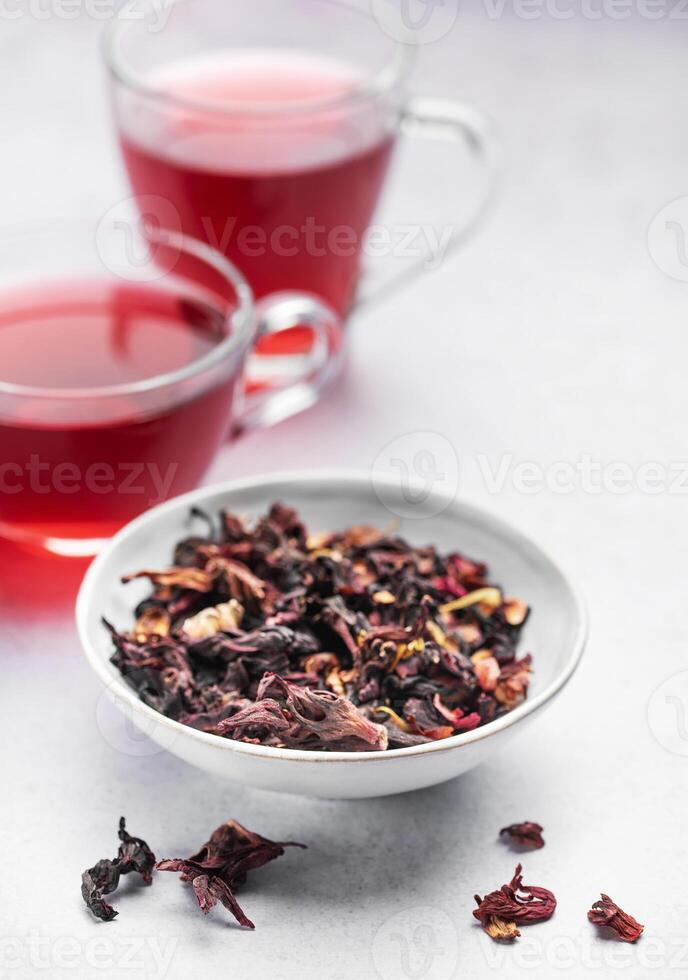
[270, 127]
[127, 354]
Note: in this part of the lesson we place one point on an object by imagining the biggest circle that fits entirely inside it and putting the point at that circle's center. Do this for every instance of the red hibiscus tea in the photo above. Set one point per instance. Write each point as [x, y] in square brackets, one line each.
[267, 157]
[90, 437]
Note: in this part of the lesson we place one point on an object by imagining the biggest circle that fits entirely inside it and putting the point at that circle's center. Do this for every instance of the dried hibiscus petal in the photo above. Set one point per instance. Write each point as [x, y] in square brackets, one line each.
[180, 578]
[214, 619]
[458, 719]
[607, 914]
[424, 719]
[152, 620]
[222, 864]
[103, 878]
[97, 881]
[515, 611]
[486, 668]
[515, 902]
[375, 644]
[135, 854]
[265, 714]
[321, 719]
[527, 834]
[512, 685]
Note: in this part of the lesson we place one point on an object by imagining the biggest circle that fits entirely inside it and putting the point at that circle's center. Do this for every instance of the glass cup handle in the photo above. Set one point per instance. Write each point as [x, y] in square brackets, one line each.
[285, 384]
[447, 121]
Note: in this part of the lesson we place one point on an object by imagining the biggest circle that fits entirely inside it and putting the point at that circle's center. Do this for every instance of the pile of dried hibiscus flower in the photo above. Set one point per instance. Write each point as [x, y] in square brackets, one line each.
[351, 640]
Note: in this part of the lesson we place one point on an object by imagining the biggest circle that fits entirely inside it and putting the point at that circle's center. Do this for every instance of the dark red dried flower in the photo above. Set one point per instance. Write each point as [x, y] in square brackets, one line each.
[607, 914]
[527, 834]
[305, 719]
[103, 878]
[515, 902]
[371, 643]
[223, 863]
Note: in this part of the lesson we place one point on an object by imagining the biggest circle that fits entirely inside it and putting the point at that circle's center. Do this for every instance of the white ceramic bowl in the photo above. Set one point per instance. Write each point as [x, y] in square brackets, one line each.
[555, 632]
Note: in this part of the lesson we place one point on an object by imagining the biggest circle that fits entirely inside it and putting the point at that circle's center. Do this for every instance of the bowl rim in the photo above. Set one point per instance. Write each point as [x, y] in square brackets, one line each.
[115, 684]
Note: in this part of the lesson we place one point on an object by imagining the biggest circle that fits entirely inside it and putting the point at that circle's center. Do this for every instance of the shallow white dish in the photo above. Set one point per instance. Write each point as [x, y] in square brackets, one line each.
[555, 632]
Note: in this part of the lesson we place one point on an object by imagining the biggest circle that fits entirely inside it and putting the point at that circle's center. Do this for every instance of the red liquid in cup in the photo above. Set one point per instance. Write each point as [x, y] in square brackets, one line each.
[287, 196]
[87, 477]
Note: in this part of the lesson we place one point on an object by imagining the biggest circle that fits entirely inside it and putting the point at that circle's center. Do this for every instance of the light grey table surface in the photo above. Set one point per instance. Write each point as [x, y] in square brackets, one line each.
[554, 338]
